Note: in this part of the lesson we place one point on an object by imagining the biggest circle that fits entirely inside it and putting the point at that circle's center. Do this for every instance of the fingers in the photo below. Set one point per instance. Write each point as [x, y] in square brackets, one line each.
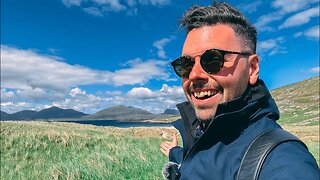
[164, 151]
[174, 140]
[165, 148]
[174, 136]
[165, 145]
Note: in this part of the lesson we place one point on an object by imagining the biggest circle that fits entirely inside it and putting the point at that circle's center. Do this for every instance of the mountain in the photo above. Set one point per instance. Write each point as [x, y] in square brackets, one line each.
[25, 114]
[50, 113]
[121, 113]
[55, 112]
[5, 115]
[171, 112]
[299, 103]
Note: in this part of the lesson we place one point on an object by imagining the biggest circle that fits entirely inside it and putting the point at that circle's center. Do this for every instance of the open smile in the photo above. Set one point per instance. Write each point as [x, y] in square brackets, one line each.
[204, 94]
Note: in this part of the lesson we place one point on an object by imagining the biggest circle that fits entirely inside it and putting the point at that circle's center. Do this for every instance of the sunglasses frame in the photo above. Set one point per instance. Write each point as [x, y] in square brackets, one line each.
[192, 60]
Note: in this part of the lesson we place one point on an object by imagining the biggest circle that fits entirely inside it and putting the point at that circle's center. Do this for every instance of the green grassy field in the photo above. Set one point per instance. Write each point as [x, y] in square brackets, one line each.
[35, 150]
[299, 102]
[42, 150]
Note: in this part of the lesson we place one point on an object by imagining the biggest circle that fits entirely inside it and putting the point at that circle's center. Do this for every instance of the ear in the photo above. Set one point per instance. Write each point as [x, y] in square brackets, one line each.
[254, 63]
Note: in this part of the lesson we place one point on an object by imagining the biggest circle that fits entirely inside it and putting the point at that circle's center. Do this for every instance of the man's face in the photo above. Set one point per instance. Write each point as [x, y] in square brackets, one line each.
[230, 82]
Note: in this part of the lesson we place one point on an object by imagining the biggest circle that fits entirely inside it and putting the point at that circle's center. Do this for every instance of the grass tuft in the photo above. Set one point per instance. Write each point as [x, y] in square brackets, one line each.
[41, 150]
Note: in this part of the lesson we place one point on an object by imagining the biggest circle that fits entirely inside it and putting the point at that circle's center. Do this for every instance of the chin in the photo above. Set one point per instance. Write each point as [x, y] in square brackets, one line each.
[205, 114]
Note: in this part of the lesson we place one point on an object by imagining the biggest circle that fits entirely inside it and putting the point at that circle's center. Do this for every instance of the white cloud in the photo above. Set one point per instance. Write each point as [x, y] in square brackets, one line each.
[250, 7]
[78, 99]
[289, 6]
[155, 2]
[93, 11]
[76, 92]
[100, 7]
[112, 93]
[110, 5]
[140, 73]
[159, 44]
[7, 95]
[70, 3]
[174, 92]
[300, 18]
[314, 70]
[12, 107]
[264, 20]
[132, 12]
[154, 101]
[140, 93]
[272, 46]
[282, 8]
[53, 50]
[24, 69]
[312, 33]
[39, 79]
[27, 69]
[81, 101]
[132, 2]
[40, 94]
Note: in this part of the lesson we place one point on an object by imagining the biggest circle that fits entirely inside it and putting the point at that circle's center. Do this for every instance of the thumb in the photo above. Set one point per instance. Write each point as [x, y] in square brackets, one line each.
[174, 138]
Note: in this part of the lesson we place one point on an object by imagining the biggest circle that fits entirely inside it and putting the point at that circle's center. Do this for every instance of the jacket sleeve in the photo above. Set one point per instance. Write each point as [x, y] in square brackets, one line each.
[176, 154]
[290, 160]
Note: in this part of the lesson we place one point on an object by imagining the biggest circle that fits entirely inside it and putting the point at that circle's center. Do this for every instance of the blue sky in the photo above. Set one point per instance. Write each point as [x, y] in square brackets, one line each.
[92, 54]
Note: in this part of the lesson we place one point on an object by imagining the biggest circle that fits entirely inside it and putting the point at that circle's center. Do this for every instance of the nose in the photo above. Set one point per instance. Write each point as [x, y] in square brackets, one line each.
[197, 73]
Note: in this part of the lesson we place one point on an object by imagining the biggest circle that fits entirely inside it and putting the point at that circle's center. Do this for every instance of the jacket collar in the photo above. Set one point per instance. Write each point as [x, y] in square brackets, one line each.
[257, 93]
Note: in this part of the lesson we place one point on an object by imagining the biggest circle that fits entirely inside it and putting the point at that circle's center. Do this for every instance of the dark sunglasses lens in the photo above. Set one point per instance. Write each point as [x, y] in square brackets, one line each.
[212, 61]
[183, 66]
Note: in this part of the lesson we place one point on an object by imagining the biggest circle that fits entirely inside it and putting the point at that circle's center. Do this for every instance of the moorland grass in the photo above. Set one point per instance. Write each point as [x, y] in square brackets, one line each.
[34, 150]
[43, 150]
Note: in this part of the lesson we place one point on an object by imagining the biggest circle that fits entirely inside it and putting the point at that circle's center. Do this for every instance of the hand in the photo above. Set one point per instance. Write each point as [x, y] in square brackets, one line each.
[167, 145]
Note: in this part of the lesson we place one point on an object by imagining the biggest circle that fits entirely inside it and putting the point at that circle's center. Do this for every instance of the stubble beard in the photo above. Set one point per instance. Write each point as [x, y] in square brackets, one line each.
[207, 113]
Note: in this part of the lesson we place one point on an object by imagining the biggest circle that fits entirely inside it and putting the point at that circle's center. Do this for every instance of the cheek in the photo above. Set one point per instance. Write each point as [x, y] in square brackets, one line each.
[238, 78]
[185, 84]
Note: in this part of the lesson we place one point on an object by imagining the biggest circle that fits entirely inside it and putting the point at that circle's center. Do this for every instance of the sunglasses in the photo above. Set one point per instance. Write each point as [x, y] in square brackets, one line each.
[211, 61]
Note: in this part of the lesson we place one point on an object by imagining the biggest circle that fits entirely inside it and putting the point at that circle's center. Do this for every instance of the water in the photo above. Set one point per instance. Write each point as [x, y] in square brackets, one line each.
[120, 124]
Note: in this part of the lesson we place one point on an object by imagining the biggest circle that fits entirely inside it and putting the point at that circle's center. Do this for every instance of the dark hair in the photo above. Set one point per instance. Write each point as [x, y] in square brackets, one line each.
[221, 13]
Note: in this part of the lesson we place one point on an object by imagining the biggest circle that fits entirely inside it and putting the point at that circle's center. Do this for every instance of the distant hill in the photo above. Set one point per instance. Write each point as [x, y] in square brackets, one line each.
[49, 113]
[121, 113]
[25, 114]
[55, 112]
[171, 112]
[299, 103]
[5, 115]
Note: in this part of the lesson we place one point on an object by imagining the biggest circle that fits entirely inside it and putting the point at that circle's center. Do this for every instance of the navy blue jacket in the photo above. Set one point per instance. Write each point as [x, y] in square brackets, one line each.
[218, 152]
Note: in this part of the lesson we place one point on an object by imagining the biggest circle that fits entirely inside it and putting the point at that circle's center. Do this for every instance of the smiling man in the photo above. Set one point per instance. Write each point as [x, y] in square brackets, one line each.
[205, 89]
[228, 105]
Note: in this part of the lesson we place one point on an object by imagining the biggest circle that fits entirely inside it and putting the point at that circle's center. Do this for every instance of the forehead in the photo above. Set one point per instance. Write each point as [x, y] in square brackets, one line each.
[217, 36]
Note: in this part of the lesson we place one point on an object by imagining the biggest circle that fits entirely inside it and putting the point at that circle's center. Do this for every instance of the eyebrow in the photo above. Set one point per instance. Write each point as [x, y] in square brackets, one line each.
[197, 52]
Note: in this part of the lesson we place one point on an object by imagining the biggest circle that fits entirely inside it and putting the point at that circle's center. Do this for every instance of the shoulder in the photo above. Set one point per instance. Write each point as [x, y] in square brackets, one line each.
[290, 160]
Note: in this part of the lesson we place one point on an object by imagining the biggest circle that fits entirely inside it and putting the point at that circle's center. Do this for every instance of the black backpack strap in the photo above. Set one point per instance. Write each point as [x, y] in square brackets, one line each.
[258, 151]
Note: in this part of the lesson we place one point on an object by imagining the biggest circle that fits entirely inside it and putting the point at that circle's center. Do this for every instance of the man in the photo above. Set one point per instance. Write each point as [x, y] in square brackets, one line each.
[228, 105]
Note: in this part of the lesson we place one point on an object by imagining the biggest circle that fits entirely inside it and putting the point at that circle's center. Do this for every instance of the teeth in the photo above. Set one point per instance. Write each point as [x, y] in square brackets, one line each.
[203, 94]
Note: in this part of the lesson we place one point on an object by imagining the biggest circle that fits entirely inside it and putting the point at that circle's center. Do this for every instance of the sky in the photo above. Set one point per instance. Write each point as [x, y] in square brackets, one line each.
[93, 54]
